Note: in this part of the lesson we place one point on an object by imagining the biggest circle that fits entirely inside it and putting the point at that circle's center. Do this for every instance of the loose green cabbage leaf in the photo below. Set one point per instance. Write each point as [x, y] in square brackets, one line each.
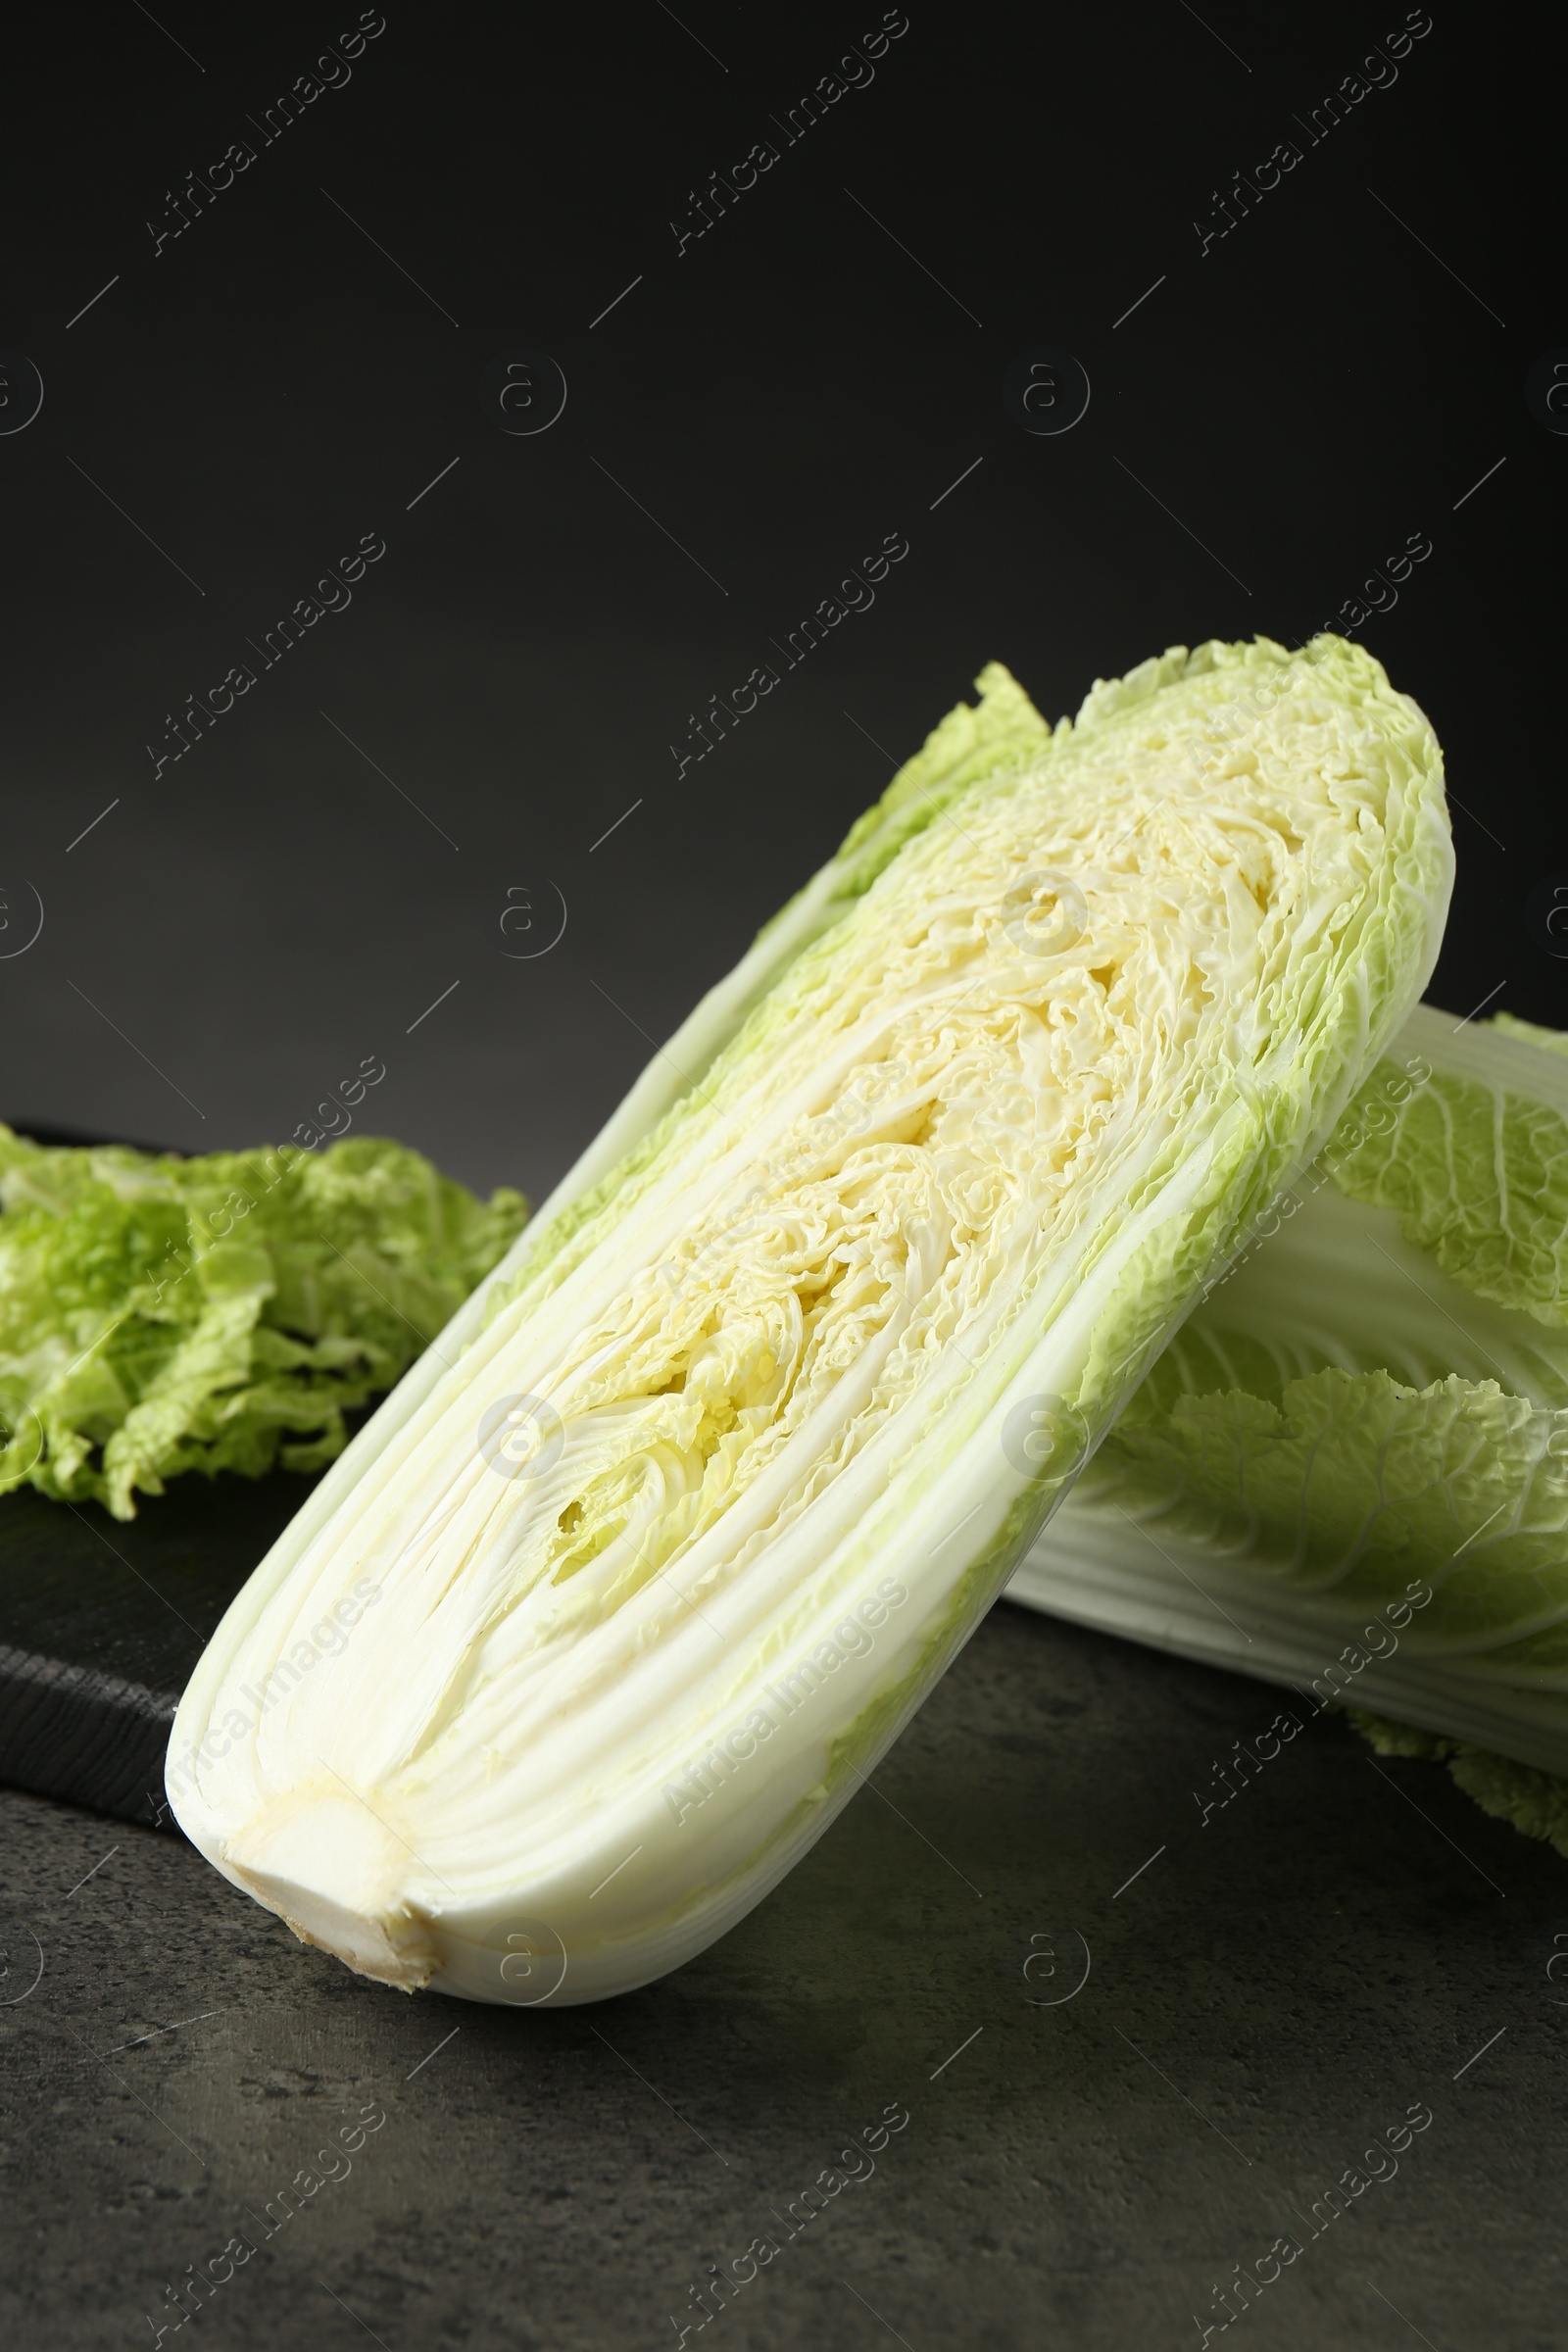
[1535, 1802]
[1369, 1416]
[601, 1619]
[223, 1312]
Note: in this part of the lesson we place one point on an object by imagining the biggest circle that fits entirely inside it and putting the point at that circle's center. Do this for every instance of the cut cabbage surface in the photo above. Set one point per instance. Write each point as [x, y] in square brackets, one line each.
[1348, 1472]
[634, 1578]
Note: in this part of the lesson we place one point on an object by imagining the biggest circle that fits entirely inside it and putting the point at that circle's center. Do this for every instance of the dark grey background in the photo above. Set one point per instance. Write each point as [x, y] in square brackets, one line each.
[1271, 424]
[1301, 397]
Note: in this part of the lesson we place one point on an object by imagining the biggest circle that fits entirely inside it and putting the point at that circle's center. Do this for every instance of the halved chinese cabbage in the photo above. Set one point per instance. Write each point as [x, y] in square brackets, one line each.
[607, 1612]
[1348, 1472]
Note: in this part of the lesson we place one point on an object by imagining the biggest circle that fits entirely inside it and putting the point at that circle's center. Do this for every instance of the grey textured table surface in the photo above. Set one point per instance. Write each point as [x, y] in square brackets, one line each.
[1084, 2162]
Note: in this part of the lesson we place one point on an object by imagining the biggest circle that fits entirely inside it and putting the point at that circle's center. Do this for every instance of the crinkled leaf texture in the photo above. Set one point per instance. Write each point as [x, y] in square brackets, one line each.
[1535, 1802]
[1369, 1415]
[160, 1314]
[604, 1614]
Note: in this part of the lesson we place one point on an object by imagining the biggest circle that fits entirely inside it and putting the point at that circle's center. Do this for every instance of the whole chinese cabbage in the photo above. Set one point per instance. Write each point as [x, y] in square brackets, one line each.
[608, 1611]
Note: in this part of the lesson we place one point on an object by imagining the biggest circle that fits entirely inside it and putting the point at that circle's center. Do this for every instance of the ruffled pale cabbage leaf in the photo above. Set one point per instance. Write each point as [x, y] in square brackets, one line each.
[223, 1312]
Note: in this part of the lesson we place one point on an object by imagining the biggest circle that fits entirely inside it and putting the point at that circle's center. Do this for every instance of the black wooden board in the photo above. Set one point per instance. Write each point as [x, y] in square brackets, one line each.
[102, 1620]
